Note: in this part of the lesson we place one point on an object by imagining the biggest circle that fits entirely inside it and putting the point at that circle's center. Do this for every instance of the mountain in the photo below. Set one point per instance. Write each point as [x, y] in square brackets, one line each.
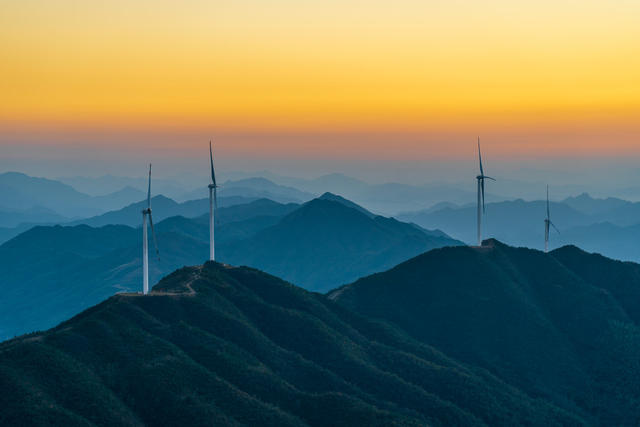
[23, 192]
[588, 205]
[78, 266]
[237, 221]
[219, 345]
[107, 184]
[256, 188]
[122, 197]
[8, 233]
[163, 207]
[11, 218]
[385, 198]
[348, 203]
[516, 222]
[562, 326]
[326, 243]
[608, 226]
[611, 240]
[52, 273]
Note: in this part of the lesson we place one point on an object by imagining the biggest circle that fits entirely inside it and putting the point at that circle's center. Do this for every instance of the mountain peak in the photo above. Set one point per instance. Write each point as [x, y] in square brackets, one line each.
[493, 243]
[548, 322]
[346, 202]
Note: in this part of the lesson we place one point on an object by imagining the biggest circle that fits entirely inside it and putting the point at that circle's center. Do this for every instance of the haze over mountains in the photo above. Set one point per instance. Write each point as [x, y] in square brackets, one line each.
[607, 226]
[28, 194]
[78, 266]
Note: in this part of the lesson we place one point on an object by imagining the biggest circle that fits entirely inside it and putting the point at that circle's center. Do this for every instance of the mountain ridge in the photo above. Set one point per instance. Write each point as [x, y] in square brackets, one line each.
[230, 345]
[524, 315]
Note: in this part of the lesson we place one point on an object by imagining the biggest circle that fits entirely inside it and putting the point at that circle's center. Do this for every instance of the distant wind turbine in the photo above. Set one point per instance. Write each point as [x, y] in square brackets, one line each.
[547, 223]
[145, 245]
[481, 209]
[213, 207]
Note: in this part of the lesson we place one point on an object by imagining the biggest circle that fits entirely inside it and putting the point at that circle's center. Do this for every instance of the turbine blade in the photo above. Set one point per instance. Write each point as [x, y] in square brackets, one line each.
[153, 233]
[554, 227]
[149, 189]
[213, 175]
[488, 177]
[480, 158]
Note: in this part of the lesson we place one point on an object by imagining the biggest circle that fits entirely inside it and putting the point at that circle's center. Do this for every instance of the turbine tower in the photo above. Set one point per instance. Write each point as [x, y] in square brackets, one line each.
[481, 209]
[547, 224]
[213, 207]
[145, 245]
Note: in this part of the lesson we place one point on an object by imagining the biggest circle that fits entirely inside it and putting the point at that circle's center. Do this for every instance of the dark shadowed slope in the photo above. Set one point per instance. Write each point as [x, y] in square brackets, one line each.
[562, 325]
[326, 243]
[215, 345]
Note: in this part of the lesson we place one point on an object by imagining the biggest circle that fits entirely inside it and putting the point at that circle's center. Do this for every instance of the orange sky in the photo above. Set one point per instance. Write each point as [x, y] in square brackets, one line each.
[304, 77]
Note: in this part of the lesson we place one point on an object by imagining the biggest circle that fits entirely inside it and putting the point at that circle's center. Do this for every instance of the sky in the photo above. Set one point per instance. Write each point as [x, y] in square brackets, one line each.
[310, 85]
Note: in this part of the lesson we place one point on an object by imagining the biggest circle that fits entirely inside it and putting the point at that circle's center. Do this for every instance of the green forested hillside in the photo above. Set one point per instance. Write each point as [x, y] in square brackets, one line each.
[563, 325]
[217, 345]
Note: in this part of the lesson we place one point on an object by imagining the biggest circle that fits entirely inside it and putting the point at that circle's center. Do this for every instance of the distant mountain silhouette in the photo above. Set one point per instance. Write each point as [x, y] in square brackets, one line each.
[326, 242]
[515, 222]
[387, 198]
[10, 218]
[608, 226]
[563, 326]
[163, 207]
[8, 233]
[216, 345]
[611, 240]
[255, 188]
[348, 203]
[22, 192]
[588, 205]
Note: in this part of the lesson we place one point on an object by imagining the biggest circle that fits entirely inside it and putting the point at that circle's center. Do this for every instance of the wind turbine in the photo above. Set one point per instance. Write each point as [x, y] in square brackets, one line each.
[213, 207]
[145, 246]
[547, 223]
[481, 208]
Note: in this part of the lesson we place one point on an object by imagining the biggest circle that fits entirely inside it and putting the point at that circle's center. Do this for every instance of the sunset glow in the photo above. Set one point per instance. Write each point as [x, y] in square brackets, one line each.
[562, 73]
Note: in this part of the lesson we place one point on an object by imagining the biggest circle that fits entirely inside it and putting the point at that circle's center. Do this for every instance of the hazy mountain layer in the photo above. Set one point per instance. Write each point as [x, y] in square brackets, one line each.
[51, 273]
[163, 207]
[23, 192]
[608, 226]
[327, 242]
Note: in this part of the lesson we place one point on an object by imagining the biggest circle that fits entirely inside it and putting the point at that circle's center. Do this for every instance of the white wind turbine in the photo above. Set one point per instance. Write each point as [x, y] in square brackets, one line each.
[213, 207]
[547, 223]
[481, 209]
[145, 245]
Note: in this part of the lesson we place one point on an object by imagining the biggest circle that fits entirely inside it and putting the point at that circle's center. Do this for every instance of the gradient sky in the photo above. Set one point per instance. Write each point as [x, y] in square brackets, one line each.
[366, 80]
